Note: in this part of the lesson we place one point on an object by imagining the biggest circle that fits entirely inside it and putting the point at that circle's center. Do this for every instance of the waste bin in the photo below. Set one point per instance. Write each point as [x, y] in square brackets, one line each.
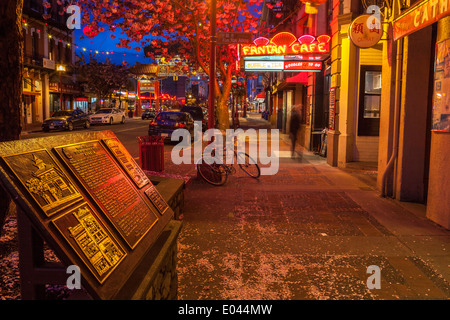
[151, 153]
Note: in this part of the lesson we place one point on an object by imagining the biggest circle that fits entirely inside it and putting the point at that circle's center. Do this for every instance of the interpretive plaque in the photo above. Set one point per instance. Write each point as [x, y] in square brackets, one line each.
[156, 199]
[93, 243]
[110, 189]
[44, 180]
[83, 195]
[126, 161]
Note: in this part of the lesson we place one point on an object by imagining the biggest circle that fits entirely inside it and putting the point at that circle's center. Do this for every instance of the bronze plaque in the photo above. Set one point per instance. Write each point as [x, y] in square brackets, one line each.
[44, 180]
[111, 190]
[127, 162]
[156, 198]
[91, 240]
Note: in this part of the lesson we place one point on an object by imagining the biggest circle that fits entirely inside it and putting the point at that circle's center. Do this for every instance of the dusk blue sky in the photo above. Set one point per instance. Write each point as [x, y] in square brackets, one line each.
[103, 42]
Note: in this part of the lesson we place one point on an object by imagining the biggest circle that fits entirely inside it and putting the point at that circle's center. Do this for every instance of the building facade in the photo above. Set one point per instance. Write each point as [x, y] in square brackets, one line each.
[390, 100]
[47, 44]
[307, 90]
[384, 105]
[414, 146]
[355, 86]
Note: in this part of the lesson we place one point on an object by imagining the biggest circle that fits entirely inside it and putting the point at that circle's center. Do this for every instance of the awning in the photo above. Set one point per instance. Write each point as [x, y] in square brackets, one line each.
[147, 69]
[261, 95]
[301, 77]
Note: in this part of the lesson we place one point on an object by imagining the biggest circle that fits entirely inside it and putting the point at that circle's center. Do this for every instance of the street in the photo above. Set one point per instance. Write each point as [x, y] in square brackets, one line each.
[336, 186]
[310, 231]
[126, 132]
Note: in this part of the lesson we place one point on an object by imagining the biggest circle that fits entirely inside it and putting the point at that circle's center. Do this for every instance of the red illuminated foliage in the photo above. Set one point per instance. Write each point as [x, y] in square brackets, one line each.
[183, 25]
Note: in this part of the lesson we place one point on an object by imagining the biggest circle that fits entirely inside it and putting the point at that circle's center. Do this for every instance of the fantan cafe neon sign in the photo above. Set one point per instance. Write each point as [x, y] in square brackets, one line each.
[285, 43]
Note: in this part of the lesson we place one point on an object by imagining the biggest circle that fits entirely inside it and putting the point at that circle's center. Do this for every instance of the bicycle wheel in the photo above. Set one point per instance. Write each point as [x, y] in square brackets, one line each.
[212, 173]
[248, 165]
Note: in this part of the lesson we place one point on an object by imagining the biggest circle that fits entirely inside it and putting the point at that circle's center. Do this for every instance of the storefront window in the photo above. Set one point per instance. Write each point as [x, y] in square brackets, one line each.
[369, 101]
[371, 106]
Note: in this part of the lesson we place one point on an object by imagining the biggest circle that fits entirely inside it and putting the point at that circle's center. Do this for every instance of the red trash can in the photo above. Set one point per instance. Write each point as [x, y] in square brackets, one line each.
[151, 153]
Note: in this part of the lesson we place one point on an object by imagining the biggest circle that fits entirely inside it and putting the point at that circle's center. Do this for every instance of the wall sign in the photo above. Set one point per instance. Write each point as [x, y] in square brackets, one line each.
[441, 94]
[419, 16]
[293, 66]
[302, 65]
[332, 108]
[285, 43]
[365, 31]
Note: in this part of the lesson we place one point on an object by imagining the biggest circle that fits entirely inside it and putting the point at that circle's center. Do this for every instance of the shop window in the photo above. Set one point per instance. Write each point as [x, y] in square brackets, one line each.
[369, 101]
[51, 48]
[304, 104]
[60, 56]
[26, 84]
[68, 54]
[35, 46]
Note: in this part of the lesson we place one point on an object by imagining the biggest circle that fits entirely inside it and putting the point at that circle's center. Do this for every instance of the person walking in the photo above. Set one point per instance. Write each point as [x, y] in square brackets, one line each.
[294, 125]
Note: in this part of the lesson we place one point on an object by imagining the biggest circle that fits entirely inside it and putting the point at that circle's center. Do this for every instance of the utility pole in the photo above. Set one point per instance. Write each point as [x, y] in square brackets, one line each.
[212, 67]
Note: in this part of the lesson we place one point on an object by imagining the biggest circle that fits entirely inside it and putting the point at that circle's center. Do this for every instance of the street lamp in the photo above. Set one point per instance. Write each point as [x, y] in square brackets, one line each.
[61, 69]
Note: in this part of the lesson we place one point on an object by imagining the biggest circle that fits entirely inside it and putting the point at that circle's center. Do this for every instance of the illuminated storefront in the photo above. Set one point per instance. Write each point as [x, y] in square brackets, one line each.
[287, 56]
[414, 124]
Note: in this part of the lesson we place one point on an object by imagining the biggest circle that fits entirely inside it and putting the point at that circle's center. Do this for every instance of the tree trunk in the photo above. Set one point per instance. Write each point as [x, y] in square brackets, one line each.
[11, 68]
[222, 114]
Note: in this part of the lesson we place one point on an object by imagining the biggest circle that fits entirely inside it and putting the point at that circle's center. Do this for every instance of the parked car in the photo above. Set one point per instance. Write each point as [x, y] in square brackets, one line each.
[197, 114]
[108, 116]
[66, 120]
[165, 123]
[149, 114]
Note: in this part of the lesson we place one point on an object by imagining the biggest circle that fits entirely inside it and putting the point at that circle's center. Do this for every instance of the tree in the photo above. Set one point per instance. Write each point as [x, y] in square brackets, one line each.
[185, 24]
[11, 65]
[102, 78]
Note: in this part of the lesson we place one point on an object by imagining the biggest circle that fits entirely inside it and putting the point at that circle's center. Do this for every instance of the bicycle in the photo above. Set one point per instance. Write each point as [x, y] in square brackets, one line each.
[217, 173]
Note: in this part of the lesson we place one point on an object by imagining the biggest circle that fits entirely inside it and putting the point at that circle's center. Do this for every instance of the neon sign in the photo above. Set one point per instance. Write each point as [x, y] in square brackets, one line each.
[285, 43]
[420, 15]
[293, 66]
[302, 65]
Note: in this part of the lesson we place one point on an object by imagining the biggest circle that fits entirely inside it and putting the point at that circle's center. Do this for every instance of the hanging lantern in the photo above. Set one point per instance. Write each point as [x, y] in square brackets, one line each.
[311, 5]
[89, 32]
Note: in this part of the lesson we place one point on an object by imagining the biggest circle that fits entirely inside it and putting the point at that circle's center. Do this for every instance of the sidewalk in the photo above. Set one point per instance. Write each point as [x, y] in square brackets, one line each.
[308, 232]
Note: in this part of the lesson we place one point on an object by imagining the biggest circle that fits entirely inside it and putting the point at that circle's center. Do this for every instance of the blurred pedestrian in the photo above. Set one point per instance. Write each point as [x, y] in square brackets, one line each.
[294, 125]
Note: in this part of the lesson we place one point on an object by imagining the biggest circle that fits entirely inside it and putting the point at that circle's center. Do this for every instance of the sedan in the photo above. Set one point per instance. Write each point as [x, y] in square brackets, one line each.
[197, 114]
[167, 122]
[148, 114]
[66, 120]
[108, 116]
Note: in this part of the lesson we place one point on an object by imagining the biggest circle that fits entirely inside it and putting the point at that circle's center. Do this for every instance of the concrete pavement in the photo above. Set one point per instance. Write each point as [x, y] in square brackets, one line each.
[309, 232]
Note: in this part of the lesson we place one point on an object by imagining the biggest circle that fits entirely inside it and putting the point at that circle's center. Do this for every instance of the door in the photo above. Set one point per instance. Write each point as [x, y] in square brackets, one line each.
[79, 119]
[116, 116]
[369, 101]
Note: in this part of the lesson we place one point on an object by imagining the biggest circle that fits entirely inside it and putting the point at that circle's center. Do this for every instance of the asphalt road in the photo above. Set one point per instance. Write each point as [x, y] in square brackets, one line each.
[127, 133]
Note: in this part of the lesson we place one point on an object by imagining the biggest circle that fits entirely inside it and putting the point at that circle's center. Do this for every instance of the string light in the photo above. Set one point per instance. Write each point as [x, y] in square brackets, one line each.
[108, 52]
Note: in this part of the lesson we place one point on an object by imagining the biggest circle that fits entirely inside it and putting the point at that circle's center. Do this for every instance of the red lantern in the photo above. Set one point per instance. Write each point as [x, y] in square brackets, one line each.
[89, 32]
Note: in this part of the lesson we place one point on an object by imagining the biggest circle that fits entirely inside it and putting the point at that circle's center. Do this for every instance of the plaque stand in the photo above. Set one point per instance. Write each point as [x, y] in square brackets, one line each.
[35, 272]
[147, 271]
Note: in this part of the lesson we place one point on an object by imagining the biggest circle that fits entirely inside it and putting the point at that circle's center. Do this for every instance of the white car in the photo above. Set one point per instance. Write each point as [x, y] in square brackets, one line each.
[107, 116]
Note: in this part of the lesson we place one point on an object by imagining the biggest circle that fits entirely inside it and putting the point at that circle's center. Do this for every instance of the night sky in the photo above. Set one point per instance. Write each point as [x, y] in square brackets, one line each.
[103, 43]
